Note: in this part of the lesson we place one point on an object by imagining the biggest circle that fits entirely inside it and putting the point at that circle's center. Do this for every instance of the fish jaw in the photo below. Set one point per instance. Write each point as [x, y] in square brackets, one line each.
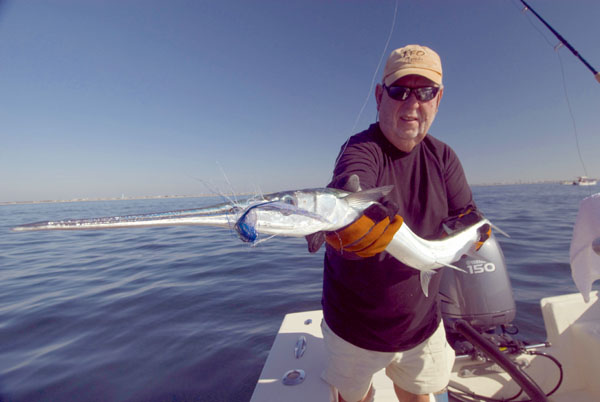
[271, 222]
[293, 213]
[303, 212]
[307, 215]
[222, 215]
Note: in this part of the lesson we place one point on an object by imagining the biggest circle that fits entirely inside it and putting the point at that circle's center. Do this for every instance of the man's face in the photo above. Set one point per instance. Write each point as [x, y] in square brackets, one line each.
[405, 123]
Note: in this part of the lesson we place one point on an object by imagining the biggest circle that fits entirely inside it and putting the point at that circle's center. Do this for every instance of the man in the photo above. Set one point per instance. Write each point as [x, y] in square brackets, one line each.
[375, 313]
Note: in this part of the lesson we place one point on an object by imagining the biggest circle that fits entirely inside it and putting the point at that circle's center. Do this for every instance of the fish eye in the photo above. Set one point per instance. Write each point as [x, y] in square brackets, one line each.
[288, 199]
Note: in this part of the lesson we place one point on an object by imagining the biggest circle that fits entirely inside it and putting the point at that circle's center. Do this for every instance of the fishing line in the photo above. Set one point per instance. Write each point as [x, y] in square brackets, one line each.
[373, 79]
[563, 41]
[562, 70]
[235, 200]
[576, 135]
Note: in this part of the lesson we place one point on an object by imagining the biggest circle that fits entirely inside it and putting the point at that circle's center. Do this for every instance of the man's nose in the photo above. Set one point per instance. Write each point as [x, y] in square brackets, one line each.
[411, 101]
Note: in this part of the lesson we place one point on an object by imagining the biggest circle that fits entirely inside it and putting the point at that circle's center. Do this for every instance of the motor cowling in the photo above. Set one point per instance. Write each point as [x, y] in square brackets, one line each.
[482, 295]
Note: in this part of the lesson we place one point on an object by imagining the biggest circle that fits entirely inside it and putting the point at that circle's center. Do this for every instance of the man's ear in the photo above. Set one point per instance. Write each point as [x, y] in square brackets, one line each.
[439, 98]
[378, 94]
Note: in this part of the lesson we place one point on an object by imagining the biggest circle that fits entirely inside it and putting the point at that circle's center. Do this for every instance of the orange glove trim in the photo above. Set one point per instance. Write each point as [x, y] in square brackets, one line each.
[365, 237]
[370, 236]
[350, 234]
[382, 241]
[486, 234]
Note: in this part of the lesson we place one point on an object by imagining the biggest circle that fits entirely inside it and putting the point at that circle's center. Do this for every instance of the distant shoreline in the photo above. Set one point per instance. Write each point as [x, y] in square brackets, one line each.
[155, 197]
[520, 182]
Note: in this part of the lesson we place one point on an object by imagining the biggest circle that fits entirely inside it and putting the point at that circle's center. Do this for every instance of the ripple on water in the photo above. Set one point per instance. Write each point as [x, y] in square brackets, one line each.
[189, 313]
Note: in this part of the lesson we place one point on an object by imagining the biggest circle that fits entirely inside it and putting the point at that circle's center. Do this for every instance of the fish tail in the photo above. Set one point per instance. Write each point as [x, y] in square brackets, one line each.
[425, 277]
[453, 266]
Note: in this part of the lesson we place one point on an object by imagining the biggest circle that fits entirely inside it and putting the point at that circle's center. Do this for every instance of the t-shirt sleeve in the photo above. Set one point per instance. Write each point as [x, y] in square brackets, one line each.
[358, 158]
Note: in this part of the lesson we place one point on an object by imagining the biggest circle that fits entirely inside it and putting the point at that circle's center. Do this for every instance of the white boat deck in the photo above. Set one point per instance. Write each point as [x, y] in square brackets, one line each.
[573, 328]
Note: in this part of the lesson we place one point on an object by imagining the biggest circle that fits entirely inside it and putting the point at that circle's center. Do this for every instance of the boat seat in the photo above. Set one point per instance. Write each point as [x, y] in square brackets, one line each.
[586, 337]
[573, 329]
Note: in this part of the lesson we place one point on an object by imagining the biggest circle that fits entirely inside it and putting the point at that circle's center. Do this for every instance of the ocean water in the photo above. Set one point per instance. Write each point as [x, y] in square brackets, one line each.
[189, 313]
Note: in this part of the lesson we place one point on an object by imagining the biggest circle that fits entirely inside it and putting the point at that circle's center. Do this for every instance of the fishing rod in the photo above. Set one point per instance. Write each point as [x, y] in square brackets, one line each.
[563, 41]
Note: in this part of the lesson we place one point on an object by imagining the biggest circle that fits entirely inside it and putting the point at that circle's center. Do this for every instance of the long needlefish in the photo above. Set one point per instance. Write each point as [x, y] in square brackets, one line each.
[299, 213]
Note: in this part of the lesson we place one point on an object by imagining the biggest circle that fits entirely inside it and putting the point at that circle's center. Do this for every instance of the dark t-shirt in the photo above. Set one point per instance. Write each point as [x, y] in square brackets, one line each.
[377, 303]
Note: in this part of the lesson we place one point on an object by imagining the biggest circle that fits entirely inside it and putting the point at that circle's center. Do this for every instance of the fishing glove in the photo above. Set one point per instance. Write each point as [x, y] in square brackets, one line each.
[368, 235]
[455, 223]
[371, 233]
[349, 183]
[468, 217]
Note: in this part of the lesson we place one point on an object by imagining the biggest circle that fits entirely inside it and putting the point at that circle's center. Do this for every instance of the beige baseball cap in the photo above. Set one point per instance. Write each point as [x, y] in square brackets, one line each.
[413, 59]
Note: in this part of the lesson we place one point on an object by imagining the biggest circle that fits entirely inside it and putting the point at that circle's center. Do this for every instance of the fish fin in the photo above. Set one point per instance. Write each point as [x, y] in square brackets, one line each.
[425, 277]
[362, 199]
[453, 266]
[257, 242]
[502, 232]
[446, 229]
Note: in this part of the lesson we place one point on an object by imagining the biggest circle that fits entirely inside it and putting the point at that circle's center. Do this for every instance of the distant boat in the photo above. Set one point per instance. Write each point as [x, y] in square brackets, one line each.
[584, 181]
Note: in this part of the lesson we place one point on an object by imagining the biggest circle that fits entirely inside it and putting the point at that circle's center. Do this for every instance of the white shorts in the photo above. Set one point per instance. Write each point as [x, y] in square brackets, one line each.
[422, 370]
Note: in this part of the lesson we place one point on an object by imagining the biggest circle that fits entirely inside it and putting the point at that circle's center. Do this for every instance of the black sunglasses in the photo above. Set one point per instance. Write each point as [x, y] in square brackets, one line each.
[423, 94]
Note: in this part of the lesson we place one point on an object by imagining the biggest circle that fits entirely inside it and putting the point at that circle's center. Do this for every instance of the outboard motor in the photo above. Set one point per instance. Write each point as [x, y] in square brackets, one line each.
[474, 304]
[482, 295]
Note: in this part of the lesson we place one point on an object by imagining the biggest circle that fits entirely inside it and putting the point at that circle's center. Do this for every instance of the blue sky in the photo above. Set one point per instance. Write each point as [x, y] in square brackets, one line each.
[141, 97]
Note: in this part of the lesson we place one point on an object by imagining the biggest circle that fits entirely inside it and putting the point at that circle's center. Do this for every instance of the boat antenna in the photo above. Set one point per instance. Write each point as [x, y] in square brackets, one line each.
[563, 41]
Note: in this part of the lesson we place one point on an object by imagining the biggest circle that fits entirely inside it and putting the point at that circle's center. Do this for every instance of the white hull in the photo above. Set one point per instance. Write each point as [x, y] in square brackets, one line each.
[584, 181]
[572, 327]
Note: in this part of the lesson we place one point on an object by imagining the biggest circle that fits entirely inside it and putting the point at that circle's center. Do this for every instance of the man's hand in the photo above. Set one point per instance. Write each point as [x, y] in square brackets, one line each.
[371, 233]
[349, 183]
[460, 221]
[465, 219]
[368, 235]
